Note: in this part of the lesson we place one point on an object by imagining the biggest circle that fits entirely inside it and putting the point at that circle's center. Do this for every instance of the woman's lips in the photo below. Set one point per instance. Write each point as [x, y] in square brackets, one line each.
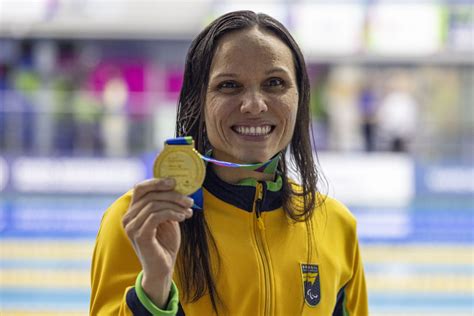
[253, 130]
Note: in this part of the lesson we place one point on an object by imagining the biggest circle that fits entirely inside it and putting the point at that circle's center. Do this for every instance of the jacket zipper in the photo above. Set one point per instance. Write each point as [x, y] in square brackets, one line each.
[259, 230]
[257, 204]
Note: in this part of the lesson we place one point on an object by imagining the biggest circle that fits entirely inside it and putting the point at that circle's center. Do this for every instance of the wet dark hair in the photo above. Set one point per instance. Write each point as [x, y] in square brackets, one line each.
[194, 263]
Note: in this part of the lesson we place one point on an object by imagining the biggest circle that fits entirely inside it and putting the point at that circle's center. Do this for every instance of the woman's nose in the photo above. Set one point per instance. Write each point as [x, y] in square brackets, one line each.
[253, 103]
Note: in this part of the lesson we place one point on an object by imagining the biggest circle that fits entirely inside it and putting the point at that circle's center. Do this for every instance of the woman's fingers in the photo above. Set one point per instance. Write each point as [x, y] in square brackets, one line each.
[165, 196]
[133, 224]
[154, 202]
[141, 189]
[153, 190]
[147, 232]
[151, 222]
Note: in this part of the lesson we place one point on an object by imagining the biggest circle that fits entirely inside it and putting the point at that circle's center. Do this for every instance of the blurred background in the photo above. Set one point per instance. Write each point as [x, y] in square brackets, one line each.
[88, 92]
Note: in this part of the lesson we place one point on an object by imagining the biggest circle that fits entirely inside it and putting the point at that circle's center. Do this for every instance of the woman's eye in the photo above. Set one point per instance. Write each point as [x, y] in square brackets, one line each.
[228, 85]
[275, 82]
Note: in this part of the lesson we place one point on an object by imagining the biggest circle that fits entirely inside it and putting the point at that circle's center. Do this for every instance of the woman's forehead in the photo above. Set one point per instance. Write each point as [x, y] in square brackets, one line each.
[251, 48]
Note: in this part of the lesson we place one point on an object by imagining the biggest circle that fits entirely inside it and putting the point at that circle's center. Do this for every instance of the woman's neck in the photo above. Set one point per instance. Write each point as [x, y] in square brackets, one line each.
[235, 175]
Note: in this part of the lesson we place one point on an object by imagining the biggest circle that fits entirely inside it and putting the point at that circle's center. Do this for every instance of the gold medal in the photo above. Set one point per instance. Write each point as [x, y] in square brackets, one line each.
[183, 163]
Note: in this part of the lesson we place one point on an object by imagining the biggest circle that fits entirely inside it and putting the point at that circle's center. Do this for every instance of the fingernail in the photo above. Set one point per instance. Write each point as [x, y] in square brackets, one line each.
[169, 181]
[190, 200]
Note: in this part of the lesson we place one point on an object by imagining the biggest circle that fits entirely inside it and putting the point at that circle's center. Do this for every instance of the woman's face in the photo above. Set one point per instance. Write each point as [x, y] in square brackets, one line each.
[252, 97]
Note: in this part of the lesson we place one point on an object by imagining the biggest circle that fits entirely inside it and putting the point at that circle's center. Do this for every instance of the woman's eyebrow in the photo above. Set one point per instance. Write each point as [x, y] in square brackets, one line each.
[224, 74]
[276, 69]
[233, 75]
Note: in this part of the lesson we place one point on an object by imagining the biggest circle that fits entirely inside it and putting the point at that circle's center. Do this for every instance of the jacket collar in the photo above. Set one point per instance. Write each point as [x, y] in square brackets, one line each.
[242, 195]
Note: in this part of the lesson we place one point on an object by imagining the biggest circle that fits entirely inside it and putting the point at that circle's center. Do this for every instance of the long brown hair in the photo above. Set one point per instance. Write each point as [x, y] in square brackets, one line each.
[194, 263]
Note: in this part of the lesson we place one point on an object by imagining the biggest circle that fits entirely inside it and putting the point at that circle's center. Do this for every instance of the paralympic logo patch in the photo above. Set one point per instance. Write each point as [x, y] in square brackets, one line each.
[311, 284]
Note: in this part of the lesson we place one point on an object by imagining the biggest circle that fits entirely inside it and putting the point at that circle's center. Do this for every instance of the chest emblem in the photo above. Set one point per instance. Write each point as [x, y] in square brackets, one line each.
[311, 284]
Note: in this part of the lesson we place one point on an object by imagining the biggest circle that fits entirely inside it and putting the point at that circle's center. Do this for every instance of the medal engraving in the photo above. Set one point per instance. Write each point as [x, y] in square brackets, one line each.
[182, 163]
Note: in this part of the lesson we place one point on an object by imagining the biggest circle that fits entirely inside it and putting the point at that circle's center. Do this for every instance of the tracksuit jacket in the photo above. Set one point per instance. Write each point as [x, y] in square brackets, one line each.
[265, 268]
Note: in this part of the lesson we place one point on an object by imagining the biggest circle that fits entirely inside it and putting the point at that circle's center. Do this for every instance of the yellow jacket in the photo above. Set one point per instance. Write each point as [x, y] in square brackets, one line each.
[264, 268]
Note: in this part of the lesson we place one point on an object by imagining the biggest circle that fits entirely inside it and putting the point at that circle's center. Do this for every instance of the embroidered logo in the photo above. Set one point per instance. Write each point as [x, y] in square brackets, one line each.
[311, 284]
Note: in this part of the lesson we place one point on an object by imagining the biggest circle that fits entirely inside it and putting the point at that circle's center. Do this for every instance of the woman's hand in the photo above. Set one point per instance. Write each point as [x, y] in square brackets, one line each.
[151, 224]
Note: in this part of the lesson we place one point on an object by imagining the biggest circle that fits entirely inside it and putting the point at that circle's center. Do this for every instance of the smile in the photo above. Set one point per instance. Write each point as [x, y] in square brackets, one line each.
[253, 130]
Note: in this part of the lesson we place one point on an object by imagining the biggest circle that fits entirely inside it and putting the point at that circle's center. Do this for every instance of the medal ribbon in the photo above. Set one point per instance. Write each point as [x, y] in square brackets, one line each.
[268, 167]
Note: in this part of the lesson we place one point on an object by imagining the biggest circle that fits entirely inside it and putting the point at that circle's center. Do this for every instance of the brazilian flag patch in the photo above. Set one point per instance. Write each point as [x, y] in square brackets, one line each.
[311, 284]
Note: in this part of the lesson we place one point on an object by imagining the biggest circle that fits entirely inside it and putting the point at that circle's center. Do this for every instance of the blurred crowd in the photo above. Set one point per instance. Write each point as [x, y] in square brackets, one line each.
[422, 110]
[117, 98]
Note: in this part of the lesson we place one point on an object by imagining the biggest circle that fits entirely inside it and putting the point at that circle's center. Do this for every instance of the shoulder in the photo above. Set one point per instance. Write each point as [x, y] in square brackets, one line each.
[119, 207]
[112, 243]
[336, 211]
[111, 224]
[337, 218]
[114, 263]
[329, 211]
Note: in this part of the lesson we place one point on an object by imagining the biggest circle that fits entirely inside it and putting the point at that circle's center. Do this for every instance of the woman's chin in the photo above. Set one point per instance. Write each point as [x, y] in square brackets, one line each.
[243, 156]
[254, 158]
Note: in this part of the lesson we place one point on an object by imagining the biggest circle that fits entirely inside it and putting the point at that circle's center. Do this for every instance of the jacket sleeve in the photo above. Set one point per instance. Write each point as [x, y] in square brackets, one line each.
[115, 271]
[355, 301]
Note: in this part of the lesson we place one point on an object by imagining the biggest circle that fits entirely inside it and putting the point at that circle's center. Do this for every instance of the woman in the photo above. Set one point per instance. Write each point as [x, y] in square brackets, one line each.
[262, 245]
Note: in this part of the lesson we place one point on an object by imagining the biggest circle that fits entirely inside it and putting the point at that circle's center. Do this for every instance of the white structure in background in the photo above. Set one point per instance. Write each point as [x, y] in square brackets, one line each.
[383, 223]
[396, 119]
[164, 123]
[342, 106]
[405, 28]
[3, 174]
[76, 175]
[105, 18]
[397, 115]
[328, 29]
[457, 180]
[376, 179]
[115, 124]
[368, 179]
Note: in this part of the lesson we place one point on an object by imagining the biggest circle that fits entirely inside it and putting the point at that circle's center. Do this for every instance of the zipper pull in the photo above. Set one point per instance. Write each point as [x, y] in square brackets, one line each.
[258, 200]
[260, 223]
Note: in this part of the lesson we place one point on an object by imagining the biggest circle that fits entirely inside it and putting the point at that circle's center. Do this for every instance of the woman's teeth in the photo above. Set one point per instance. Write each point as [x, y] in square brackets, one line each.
[253, 130]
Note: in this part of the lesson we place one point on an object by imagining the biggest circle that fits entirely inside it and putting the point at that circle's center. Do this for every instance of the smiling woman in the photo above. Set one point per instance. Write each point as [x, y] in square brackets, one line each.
[259, 244]
[252, 98]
